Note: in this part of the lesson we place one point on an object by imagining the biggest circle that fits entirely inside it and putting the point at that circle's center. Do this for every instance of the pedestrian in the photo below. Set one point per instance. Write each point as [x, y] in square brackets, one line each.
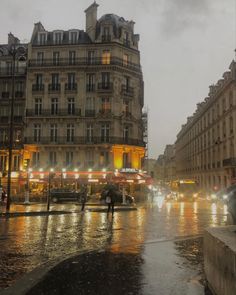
[83, 197]
[110, 200]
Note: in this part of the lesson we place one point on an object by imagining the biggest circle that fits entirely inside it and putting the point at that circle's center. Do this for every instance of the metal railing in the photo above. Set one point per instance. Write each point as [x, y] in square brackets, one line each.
[5, 71]
[54, 87]
[37, 87]
[98, 61]
[71, 86]
[63, 140]
[230, 162]
[107, 87]
[90, 113]
[90, 87]
[52, 113]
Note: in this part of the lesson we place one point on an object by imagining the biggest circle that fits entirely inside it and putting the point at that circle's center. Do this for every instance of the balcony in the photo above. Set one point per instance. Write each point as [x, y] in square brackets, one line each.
[16, 119]
[105, 87]
[19, 94]
[82, 140]
[127, 92]
[6, 71]
[53, 113]
[90, 113]
[5, 94]
[37, 87]
[16, 144]
[84, 62]
[71, 87]
[230, 162]
[90, 87]
[54, 88]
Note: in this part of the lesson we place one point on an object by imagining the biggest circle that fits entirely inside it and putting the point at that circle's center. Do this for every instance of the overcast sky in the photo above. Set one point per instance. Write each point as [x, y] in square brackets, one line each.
[185, 45]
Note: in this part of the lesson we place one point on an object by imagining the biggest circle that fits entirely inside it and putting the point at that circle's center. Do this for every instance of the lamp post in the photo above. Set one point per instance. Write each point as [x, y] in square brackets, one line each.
[16, 52]
[50, 175]
[62, 175]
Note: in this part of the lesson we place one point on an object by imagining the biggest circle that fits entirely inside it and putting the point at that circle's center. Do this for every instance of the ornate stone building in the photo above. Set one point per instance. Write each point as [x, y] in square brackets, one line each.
[206, 144]
[85, 97]
[6, 94]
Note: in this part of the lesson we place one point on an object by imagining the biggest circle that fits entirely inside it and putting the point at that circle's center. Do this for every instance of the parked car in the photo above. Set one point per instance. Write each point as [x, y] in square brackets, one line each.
[64, 194]
[118, 197]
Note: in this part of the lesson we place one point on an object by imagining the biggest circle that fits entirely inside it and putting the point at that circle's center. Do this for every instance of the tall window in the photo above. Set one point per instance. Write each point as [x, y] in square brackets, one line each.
[106, 34]
[55, 79]
[69, 158]
[3, 162]
[58, 37]
[106, 104]
[71, 79]
[90, 82]
[54, 106]
[127, 83]
[126, 134]
[231, 125]
[55, 58]
[38, 106]
[71, 57]
[89, 132]
[3, 135]
[89, 158]
[105, 132]
[91, 57]
[106, 57]
[39, 79]
[42, 38]
[125, 59]
[73, 37]
[35, 159]
[52, 158]
[71, 106]
[90, 106]
[16, 163]
[70, 132]
[53, 132]
[105, 80]
[104, 158]
[37, 132]
[126, 107]
[40, 58]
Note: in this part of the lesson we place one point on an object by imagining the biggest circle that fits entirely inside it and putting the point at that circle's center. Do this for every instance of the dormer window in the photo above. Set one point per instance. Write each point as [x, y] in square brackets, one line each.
[126, 40]
[57, 37]
[106, 36]
[73, 37]
[42, 38]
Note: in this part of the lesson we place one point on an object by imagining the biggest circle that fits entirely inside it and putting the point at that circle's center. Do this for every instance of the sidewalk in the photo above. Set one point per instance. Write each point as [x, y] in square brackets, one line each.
[155, 268]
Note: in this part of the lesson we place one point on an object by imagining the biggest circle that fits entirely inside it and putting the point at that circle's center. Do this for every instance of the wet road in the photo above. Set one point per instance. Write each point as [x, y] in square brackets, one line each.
[148, 234]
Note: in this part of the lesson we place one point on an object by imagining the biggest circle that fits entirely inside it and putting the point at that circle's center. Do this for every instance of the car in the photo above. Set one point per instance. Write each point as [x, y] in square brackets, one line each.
[64, 194]
[118, 197]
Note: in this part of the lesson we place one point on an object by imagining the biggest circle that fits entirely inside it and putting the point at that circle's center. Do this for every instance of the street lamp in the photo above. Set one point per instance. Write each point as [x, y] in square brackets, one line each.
[50, 176]
[17, 52]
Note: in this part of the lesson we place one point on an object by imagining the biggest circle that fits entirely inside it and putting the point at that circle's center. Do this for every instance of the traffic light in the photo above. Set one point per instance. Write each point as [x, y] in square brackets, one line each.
[26, 164]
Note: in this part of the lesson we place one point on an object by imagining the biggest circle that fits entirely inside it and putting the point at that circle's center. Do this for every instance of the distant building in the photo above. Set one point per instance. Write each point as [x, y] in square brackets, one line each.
[206, 144]
[165, 166]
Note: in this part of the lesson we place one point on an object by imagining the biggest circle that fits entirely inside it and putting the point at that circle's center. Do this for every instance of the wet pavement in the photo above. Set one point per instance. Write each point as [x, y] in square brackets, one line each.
[144, 247]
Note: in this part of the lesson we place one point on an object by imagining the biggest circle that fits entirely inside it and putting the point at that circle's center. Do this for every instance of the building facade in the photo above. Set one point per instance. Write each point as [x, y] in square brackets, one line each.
[85, 97]
[6, 94]
[205, 146]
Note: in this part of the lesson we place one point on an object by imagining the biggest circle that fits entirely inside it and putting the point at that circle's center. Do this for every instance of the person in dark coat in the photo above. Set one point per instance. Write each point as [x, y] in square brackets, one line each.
[83, 197]
[110, 200]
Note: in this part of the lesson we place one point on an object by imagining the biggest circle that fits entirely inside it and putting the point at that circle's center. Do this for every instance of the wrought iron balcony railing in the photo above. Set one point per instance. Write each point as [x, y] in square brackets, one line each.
[84, 62]
[83, 140]
[105, 87]
[52, 113]
[37, 87]
[230, 162]
[54, 87]
[71, 86]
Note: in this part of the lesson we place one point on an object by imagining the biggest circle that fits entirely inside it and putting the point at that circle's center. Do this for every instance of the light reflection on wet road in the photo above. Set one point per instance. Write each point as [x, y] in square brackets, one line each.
[26, 242]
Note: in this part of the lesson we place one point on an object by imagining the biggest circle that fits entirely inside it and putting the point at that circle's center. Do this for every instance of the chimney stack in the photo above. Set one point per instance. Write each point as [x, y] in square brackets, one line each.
[91, 20]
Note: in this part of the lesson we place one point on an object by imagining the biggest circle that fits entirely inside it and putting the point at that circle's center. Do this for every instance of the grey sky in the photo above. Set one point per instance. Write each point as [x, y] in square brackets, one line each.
[185, 45]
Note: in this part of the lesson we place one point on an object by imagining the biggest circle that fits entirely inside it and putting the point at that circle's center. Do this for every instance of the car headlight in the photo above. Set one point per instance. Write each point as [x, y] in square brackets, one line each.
[225, 197]
[213, 196]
